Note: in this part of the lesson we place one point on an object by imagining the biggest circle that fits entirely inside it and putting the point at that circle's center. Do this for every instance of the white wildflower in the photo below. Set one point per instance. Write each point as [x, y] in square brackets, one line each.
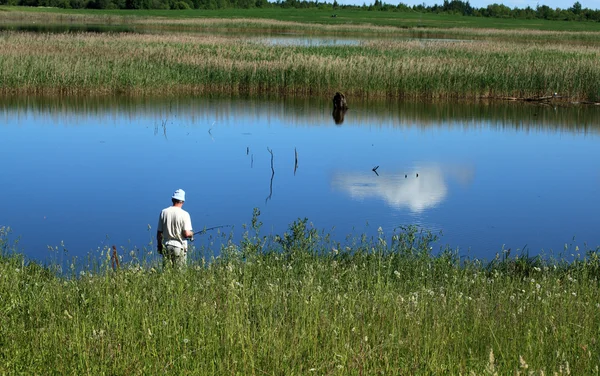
[523, 363]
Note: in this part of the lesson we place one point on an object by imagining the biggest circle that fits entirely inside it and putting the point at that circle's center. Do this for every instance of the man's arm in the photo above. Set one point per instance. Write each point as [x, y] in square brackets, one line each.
[188, 233]
[159, 241]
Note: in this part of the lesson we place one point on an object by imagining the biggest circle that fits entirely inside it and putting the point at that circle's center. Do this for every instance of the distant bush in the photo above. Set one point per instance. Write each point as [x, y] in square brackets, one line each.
[181, 5]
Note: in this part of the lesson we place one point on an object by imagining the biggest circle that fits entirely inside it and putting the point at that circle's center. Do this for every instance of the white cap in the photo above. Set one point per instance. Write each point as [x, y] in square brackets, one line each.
[179, 195]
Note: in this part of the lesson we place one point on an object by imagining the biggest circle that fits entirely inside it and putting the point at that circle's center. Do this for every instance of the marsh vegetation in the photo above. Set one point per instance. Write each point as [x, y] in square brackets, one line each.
[117, 63]
[481, 64]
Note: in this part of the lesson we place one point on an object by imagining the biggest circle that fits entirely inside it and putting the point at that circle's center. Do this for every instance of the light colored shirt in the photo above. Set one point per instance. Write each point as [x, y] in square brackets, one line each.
[172, 222]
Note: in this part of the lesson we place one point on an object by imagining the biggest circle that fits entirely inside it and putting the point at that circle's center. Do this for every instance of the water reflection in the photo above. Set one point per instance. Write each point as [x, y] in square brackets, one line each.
[312, 41]
[420, 189]
[338, 115]
[307, 41]
[522, 117]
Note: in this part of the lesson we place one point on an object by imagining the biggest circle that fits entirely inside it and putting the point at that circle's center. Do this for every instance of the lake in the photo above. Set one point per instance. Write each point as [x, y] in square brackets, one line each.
[92, 172]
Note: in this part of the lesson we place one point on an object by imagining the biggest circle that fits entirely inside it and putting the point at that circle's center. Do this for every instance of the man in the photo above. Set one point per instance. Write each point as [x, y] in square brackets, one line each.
[174, 227]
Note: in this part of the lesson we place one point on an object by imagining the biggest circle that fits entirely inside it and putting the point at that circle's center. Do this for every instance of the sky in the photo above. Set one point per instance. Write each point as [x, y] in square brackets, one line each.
[563, 4]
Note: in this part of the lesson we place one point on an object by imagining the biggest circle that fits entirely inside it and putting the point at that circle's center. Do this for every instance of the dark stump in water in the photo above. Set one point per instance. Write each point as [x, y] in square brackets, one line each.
[339, 101]
[340, 106]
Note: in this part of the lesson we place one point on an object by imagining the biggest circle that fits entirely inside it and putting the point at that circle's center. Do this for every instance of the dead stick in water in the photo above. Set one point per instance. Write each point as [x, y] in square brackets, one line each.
[272, 175]
[271, 152]
[295, 161]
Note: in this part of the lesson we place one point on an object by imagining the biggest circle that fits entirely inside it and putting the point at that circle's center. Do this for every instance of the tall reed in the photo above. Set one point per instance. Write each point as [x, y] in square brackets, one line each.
[192, 63]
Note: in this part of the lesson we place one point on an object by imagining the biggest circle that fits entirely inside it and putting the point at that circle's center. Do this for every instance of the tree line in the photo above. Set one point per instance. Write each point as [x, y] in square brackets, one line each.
[574, 13]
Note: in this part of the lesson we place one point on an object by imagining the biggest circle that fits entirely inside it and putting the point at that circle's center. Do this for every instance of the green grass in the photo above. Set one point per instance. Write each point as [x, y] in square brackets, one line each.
[298, 304]
[323, 16]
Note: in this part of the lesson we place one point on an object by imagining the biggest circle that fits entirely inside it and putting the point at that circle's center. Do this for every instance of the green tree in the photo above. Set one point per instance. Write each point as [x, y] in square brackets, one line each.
[576, 8]
[545, 12]
[498, 10]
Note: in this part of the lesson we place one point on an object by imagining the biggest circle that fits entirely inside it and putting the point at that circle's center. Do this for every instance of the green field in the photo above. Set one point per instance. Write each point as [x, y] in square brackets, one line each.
[303, 305]
[343, 17]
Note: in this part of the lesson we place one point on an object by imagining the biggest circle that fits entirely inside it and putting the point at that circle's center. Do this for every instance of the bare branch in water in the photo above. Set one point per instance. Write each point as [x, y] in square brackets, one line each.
[375, 170]
[209, 131]
[164, 126]
[272, 175]
[295, 161]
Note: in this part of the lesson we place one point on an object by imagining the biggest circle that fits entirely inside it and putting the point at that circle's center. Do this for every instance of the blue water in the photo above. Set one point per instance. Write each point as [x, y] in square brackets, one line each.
[89, 174]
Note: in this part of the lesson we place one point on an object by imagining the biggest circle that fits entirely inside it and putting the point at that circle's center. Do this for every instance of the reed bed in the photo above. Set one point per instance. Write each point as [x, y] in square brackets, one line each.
[357, 27]
[192, 63]
[297, 305]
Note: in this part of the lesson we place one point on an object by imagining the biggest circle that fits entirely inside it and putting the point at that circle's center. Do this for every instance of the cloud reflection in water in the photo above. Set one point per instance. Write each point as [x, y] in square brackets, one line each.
[401, 190]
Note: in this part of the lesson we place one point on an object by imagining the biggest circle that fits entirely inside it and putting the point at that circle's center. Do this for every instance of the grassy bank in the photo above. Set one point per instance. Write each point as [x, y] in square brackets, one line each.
[196, 63]
[314, 17]
[376, 308]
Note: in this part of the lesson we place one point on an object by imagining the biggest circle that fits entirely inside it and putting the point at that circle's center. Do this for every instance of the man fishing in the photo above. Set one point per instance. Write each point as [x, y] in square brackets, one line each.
[173, 230]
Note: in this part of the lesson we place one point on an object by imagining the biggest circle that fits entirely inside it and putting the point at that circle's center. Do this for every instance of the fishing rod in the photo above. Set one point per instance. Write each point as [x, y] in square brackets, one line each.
[210, 228]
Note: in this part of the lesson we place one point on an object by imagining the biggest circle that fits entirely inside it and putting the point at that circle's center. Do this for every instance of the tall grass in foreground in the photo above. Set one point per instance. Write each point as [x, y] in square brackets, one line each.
[193, 63]
[290, 306]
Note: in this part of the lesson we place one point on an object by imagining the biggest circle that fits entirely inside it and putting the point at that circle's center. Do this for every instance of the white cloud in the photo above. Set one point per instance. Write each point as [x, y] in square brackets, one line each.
[412, 192]
[403, 190]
